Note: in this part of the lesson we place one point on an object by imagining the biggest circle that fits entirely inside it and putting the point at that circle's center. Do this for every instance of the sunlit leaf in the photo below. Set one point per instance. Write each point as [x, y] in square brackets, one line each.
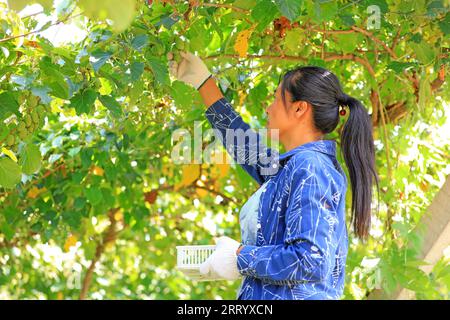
[10, 173]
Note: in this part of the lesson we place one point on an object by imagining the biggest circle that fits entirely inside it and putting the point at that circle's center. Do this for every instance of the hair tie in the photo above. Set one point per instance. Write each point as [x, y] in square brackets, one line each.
[343, 99]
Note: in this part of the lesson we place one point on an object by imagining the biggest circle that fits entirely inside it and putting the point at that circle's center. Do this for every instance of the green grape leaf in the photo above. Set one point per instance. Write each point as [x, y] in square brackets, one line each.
[289, 8]
[182, 94]
[30, 158]
[424, 52]
[140, 42]
[8, 105]
[325, 11]
[263, 13]
[99, 58]
[293, 40]
[7, 230]
[84, 101]
[444, 25]
[159, 69]
[10, 173]
[94, 195]
[112, 105]
[136, 69]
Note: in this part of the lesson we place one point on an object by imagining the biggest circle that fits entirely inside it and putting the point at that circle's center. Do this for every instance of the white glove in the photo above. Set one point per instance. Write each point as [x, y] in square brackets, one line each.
[223, 261]
[191, 70]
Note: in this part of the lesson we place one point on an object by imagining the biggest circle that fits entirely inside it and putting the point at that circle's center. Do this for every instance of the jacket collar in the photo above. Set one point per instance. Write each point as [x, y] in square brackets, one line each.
[327, 147]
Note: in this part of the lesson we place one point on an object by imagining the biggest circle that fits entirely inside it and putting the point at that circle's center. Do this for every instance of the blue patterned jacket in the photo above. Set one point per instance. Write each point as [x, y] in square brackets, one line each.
[302, 241]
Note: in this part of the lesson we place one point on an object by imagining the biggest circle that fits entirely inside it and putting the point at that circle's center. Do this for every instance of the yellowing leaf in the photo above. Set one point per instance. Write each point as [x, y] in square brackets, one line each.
[220, 166]
[17, 5]
[224, 168]
[97, 171]
[201, 192]
[423, 186]
[241, 44]
[242, 96]
[217, 185]
[70, 242]
[167, 170]
[190, 173]
[34, 192]
[109, 245]
[105, 88]
[118, 216]
[9, 153]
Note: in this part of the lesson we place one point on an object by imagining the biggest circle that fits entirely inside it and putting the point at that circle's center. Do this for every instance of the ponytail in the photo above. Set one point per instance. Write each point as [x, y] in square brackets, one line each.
[359, 155]
[322, 89]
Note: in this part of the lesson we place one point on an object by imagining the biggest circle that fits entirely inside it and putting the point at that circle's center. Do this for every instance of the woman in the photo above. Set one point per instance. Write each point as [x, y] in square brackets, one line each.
[294, 236]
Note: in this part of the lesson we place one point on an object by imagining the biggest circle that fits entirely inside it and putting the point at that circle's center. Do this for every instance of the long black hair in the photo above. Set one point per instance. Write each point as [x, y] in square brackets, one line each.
[322, 89]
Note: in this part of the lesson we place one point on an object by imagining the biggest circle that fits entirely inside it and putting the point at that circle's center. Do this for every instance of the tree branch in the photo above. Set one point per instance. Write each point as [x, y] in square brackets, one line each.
[253, 56]
[331, 31]
[396, 38]
[328, 57]
[228, 199]
[42, 29]
[440, 79]
[352, 57]
[221, 5]
[16, 242]
[32, 15]
[375, 39]
[109, 236]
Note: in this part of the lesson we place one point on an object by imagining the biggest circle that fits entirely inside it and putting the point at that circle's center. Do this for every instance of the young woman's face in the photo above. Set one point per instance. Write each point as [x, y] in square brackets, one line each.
[277, 116]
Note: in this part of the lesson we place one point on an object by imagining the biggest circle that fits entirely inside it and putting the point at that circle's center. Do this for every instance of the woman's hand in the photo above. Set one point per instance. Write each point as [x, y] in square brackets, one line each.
[191, 70]
[223, 261]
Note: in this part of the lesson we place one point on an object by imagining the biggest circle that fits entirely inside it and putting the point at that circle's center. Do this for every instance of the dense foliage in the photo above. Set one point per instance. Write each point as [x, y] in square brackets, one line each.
[92, 204]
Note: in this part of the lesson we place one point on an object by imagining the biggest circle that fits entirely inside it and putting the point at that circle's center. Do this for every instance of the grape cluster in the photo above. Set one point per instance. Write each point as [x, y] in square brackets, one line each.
[179, 45]
[26, 125]
[158, 49]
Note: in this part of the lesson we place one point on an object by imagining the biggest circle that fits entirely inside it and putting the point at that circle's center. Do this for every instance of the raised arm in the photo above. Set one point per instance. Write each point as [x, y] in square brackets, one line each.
[245, 145]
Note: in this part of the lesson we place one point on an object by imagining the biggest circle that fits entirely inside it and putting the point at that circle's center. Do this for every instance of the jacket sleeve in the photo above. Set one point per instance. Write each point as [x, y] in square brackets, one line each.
[244, 144]
[304, 255]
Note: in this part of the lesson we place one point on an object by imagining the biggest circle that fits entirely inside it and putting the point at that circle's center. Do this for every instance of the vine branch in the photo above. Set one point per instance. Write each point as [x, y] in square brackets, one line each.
[69, 16]
[109, 237]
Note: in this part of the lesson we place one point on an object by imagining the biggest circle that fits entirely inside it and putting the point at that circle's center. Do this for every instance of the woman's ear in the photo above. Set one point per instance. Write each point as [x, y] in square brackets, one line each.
[300, 108]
